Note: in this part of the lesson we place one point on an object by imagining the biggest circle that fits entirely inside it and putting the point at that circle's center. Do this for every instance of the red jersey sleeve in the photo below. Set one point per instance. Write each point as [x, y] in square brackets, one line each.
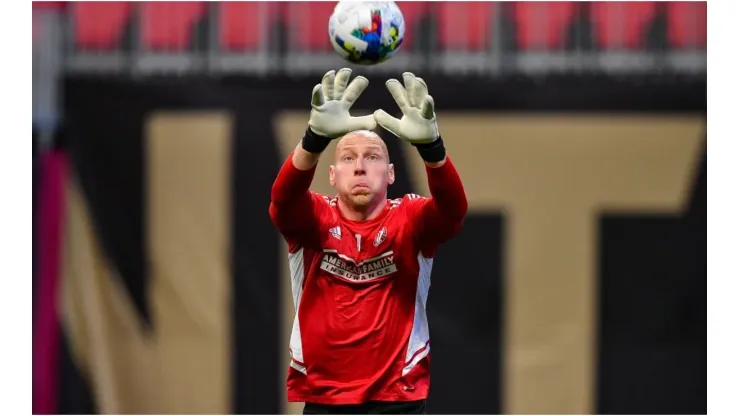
[294, 209]
[439, 218]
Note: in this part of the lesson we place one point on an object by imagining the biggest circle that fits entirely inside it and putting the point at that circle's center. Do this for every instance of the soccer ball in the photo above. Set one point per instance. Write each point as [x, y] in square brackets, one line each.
[366, 32]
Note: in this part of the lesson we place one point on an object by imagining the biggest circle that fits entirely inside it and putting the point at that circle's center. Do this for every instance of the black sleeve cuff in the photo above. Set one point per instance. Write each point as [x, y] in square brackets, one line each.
[314, 143]
[432, 152]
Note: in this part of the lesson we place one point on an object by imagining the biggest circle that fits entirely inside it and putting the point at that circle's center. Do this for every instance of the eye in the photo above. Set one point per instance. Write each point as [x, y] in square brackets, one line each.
[347, 158]
[373, 157]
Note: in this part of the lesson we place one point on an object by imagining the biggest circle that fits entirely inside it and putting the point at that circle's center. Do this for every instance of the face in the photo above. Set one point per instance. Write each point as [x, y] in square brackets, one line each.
[361, 171]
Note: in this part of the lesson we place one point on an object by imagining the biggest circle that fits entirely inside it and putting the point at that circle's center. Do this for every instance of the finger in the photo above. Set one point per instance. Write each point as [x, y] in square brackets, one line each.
[409, 81]
[327, 85]
[423, 85]
[419, 93]
[340, 82]
[317, 97]
[355, 88]
[388, 122]
[427, 108]
[398, 93]
[362, 123]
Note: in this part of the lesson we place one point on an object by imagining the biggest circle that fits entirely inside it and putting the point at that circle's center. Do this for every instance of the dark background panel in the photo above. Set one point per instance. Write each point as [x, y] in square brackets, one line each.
[465, 310]
[653, 311]
[105, 145]
[106, 148]
[567, 93]
[103, 138]
[403, 184]
[120, 119]
[256, 285]
[74, 390]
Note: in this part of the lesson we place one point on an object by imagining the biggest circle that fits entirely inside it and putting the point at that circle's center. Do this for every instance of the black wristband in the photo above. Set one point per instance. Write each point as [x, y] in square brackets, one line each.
[314, 143]
[432, 152]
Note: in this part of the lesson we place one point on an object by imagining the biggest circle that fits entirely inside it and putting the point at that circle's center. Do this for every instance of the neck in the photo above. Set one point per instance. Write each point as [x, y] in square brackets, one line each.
[372, 210]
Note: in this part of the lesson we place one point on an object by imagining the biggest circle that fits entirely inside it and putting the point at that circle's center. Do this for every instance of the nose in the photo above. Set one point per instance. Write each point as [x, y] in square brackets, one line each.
[359, 167]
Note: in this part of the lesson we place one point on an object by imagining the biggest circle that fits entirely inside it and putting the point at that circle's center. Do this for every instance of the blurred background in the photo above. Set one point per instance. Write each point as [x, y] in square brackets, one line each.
[577, 285]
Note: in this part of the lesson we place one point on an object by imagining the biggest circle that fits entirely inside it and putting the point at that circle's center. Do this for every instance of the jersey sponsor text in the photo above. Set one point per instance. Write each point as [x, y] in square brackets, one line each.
[363, 271]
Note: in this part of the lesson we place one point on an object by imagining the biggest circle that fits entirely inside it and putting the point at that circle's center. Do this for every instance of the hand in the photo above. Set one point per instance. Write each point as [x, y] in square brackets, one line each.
[331, 101]
[418, 124]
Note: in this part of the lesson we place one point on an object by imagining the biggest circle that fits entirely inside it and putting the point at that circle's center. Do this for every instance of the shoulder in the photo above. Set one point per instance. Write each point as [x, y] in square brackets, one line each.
[324, 207]
[408, 201]
[324, 200]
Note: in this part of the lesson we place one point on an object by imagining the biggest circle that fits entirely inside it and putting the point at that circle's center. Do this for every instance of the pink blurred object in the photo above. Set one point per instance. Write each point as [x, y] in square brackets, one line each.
[46, 331]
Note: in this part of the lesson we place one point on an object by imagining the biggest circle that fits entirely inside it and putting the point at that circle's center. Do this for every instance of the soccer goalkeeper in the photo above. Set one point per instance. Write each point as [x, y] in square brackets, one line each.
[360, 263]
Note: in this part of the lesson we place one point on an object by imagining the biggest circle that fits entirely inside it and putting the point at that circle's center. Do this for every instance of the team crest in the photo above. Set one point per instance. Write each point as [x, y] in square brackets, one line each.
[380, 237]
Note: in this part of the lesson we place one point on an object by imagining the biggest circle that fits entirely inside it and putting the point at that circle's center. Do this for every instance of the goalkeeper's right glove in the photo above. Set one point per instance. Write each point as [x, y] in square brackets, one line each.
[330, 102]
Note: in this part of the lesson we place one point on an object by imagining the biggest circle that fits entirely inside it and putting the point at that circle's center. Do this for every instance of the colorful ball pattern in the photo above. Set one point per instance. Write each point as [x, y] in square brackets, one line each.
[367, 32]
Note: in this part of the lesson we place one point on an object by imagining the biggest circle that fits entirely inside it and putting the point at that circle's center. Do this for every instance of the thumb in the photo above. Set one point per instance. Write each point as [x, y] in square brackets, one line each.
[317, 96]
[362, 123]
[388, 122]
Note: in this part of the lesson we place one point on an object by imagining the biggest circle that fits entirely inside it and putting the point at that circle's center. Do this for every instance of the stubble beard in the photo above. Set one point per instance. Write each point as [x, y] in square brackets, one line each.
[358, 201]
[361, 201]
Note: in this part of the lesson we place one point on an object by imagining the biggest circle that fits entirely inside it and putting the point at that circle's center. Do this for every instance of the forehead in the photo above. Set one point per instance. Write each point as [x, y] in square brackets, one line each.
[358, 142]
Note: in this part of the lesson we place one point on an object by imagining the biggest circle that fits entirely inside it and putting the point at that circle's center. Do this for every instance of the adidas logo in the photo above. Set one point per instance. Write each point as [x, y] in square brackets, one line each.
[336, 232]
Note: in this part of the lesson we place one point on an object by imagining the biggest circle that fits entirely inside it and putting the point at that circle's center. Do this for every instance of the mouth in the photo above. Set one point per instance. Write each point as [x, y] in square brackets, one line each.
[361, 185]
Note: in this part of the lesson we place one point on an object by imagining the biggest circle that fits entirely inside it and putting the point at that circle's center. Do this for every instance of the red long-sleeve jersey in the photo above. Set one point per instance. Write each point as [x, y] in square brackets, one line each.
[360, 288]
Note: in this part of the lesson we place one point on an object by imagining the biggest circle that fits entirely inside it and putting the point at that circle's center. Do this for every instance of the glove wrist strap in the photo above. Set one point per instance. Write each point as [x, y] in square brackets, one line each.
[432, 152]
[314, 143]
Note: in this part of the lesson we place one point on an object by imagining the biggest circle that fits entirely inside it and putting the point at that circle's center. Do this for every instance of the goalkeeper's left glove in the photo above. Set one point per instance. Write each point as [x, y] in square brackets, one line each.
[418, 125]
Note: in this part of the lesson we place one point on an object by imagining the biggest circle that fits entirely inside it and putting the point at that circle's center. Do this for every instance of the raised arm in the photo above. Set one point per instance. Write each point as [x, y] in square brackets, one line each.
[441, 216]
[294, 209]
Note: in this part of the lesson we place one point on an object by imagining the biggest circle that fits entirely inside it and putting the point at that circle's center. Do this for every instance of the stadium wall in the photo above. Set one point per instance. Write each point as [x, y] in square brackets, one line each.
[577, 285]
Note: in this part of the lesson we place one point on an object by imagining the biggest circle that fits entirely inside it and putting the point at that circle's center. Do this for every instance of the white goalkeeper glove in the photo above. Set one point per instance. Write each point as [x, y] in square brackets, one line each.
[418, 125]
[331, 101]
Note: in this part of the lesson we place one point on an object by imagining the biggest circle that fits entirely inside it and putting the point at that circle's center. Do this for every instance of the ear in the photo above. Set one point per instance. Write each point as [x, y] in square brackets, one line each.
[391, 174]
[331, 175]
